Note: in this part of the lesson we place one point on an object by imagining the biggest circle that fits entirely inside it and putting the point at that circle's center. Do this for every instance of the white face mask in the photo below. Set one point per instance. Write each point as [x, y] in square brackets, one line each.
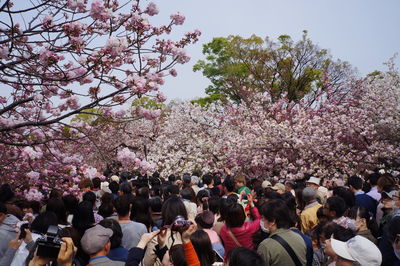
[396, 251]
[352, 225]
[262, 225]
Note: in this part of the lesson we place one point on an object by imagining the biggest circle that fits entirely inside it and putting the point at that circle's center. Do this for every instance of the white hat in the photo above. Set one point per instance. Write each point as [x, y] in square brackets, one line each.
[390, 194]
[194, 180]
[358, 249]
[104, 185]
[314, 180]
[279, 186]
[104, 189]
[323, 190]
[115, 178]
[266, 184]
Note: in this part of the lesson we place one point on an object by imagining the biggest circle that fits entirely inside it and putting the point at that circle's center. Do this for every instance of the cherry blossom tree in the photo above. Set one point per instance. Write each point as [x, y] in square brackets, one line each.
[60, 58]
[341, 134]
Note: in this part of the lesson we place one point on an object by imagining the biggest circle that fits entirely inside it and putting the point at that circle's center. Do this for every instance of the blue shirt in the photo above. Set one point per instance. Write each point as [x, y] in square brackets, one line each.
[307, 240]
[118, 254]
[366, 201]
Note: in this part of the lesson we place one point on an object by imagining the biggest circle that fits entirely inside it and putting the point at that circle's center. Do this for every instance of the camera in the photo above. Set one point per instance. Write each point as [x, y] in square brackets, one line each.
[180, 224]
[49, 245]
[22, 233]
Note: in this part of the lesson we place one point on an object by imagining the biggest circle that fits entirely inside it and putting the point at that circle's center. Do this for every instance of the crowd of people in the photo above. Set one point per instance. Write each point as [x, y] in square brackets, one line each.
[210, 219]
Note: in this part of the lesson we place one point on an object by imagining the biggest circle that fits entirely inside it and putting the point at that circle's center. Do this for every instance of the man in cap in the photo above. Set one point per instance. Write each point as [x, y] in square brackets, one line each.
[96, 243]
[266, 184]
[279, 187]
[308, 216]
[314, 183]
[358, 250]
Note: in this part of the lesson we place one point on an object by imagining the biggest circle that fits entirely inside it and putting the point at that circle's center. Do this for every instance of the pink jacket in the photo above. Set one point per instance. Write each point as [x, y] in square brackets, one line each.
[243, 234]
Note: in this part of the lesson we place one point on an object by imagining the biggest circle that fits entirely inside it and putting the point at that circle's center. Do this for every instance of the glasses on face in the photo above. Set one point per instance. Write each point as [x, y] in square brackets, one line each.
[397, 239]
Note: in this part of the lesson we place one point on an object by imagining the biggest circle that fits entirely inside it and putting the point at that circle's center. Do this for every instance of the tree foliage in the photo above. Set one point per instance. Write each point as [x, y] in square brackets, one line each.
[239, 68]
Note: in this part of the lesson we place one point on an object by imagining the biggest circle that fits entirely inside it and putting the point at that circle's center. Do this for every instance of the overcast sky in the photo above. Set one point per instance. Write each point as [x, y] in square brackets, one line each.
[365, 33]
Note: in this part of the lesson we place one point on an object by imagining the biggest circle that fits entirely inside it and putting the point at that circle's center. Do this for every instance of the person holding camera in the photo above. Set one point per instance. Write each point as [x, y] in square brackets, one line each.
[65, 255]
[14, 245]
[171, 209]
[7, 228]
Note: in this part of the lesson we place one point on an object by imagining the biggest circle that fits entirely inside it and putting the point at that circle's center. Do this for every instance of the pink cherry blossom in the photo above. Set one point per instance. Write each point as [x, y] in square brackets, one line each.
[33, 176]
[99, 11]
[4, 51]
[47, 21]
[177, 18]
[126, 157]
[79, 5]
[173, 72]
[90, 172]
[120, 114]
[47, 57]
[115, 46]
[48, 99]
[152, 9]
[31, 153]
[149, 114]
[33, 194]
[161, 97]
[73, 102]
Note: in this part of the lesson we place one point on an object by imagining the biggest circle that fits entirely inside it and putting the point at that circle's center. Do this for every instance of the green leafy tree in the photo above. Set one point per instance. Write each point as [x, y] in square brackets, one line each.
[147, 102]
[88, 115]
[241, 68]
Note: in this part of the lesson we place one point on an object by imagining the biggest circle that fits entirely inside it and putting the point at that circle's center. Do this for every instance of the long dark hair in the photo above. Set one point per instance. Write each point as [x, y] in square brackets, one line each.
[140, 212]
[57, 206]
[235, 215]
[177, 255]
[171, 208]
[83, 217]
[223, 209]
[362, 212]
[202, 244]
[245, 257]
[116, 238]
[346, 194]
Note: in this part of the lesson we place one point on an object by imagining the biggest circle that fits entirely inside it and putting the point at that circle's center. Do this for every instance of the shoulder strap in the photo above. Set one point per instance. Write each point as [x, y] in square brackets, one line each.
[288, 249]
[233, 237]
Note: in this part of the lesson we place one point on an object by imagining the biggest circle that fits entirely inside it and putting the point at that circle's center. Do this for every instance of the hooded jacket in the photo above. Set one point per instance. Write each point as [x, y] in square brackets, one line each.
[7, 232]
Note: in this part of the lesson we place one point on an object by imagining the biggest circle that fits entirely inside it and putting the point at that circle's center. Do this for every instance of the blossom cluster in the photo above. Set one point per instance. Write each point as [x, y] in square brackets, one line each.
[33, 194]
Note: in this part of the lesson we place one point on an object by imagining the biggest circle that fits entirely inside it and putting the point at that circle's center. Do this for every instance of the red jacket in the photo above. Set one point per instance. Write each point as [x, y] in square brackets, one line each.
[243, 234]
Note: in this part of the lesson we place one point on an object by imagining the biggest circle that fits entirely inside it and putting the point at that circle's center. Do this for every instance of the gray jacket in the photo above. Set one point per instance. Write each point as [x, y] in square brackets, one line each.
[7, 232]
[104, 261]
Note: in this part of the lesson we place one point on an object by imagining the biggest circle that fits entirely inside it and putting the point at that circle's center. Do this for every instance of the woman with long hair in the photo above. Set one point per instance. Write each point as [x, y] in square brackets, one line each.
[171, 209]
[236, 231]
[202, 244]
